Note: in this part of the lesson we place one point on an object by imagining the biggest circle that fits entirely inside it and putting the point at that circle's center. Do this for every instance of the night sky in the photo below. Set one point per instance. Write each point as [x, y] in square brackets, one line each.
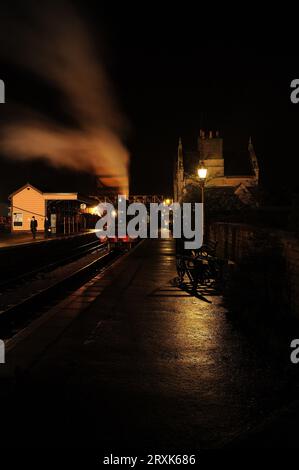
[170, 75]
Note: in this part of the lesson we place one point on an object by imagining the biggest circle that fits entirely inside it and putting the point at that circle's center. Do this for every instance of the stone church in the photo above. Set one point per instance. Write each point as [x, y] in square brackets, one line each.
[220, 183]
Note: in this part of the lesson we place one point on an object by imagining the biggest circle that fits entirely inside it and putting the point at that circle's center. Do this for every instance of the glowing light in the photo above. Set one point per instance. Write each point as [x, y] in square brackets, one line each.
[94, 210]
[202, 172]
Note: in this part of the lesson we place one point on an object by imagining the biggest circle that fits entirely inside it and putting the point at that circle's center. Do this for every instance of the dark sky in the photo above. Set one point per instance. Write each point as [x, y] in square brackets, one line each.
[170, 75]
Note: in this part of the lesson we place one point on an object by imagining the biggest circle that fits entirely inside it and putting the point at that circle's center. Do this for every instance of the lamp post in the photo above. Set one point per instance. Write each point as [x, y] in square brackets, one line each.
[202, 174]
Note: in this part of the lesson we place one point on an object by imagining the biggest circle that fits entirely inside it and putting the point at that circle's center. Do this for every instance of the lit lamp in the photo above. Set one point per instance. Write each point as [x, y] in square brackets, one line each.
[202, 174]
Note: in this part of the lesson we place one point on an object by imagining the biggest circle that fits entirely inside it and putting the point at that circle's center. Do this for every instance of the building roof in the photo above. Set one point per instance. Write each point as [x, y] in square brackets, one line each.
[28, 185]
[24, 187]
[56, 195]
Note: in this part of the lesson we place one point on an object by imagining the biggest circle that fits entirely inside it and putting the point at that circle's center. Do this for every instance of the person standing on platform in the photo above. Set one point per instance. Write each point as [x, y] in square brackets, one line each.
[33, 227]
[47, 227]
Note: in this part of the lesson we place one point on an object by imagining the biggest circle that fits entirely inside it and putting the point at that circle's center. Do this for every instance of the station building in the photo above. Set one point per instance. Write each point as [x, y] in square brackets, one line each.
[67, 212]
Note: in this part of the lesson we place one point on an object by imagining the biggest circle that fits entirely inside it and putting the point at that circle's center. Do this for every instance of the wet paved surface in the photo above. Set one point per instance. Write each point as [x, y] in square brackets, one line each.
[145, 366]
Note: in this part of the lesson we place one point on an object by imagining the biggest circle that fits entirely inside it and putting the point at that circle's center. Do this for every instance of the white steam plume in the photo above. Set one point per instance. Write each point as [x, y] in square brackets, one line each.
[55, 44]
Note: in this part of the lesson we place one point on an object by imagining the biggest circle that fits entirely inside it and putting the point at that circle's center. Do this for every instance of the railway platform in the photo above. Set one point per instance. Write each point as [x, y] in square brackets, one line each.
[25, 238]
[131, 360]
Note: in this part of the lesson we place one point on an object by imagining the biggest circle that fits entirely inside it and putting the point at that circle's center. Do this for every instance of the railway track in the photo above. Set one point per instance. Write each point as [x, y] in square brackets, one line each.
[76, 253]
[18, 316]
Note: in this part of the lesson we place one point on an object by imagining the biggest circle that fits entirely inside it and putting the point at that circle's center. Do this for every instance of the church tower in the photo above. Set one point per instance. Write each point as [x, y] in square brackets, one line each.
[210, 149]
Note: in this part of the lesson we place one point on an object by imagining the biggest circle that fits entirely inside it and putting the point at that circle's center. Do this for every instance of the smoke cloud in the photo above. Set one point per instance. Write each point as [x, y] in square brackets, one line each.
[55, 43]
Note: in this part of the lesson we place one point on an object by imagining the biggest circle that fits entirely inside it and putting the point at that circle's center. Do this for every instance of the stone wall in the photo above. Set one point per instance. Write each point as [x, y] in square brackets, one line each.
[239, 241]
